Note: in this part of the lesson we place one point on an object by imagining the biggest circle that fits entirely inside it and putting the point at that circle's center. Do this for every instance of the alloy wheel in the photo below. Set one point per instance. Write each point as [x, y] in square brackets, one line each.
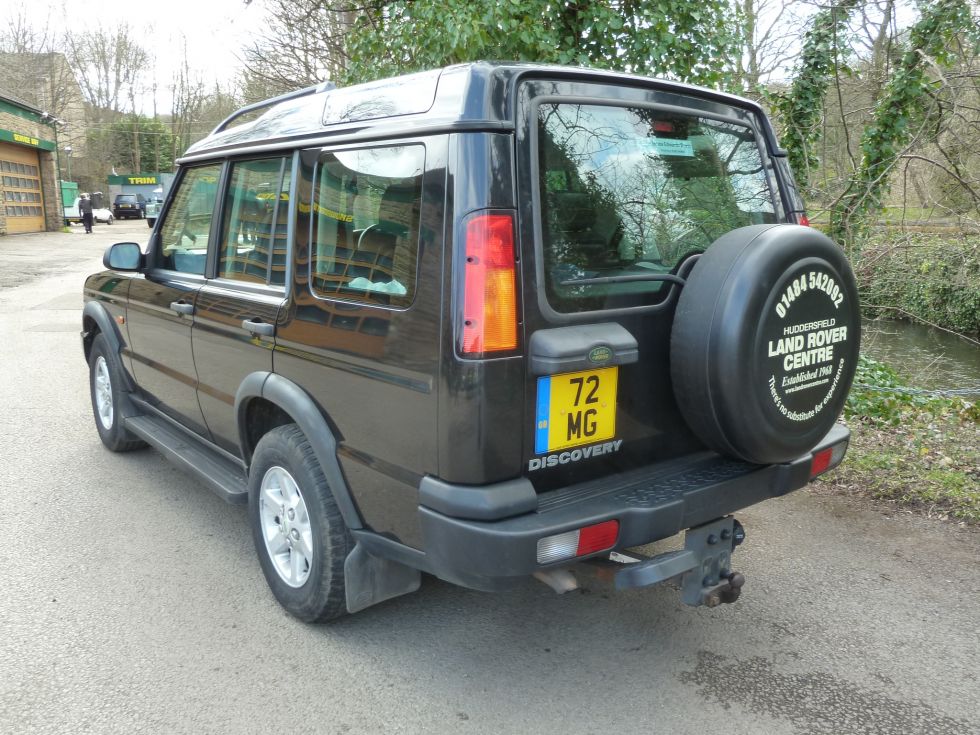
[286, 526]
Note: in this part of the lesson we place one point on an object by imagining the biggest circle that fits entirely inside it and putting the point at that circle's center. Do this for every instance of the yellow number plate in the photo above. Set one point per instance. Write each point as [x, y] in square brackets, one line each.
[575, 408]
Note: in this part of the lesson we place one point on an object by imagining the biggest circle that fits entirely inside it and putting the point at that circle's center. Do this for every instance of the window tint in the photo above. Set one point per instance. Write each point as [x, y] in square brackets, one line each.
[627, 192]
[187, 226]
[365, 224]
[253, 236]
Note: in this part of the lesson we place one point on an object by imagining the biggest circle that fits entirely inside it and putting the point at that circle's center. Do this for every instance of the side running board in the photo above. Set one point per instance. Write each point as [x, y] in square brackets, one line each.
[221, 475]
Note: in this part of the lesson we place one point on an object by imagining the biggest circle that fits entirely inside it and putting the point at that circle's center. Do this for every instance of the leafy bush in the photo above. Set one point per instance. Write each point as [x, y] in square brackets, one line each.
[879, 397]
[924, 276]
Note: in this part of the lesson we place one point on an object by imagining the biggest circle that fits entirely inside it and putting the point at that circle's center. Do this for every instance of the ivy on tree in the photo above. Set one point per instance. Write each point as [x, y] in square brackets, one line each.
[901, 109]
[802, 107]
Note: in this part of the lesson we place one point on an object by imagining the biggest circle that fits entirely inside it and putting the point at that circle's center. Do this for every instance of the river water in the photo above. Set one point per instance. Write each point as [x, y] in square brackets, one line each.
[925, 357]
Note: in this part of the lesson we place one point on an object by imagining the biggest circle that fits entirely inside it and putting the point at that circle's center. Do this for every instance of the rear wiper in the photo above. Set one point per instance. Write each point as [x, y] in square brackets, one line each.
[625, 279]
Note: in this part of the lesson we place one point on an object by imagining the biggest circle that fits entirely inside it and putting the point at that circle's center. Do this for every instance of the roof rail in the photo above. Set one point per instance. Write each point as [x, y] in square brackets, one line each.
[321, 87]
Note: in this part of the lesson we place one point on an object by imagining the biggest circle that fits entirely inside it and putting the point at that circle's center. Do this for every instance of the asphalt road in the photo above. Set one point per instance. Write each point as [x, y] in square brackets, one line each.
[131, 600]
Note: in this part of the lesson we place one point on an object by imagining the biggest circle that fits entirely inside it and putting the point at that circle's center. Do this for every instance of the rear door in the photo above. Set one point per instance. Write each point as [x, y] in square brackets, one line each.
[237, 309]
[620, 189]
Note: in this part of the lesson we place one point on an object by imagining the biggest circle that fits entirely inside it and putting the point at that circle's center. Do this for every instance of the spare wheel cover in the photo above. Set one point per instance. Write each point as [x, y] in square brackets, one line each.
[765, 342]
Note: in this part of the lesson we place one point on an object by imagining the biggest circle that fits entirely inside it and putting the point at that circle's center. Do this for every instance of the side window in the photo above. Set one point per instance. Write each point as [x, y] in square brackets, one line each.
[252, 246]
[184, 233]
[365, 228]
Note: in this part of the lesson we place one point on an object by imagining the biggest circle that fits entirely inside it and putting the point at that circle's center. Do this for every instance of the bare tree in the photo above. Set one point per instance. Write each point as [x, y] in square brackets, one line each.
[109, 64]
[303, 45]
[32, 66]
[770, 38]
[188, 95]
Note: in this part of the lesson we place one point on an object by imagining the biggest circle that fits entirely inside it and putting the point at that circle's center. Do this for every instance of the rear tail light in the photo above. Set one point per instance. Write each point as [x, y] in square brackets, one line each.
[827, 459]
[490, 286]
[802, 219]
[580, 542]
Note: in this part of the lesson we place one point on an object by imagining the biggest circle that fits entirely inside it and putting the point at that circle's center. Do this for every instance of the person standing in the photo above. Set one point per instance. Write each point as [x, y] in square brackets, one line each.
[85, 211]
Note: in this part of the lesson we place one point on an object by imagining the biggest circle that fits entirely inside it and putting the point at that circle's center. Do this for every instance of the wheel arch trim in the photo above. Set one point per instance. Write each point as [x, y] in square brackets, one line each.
[311, 420]
[107, 326]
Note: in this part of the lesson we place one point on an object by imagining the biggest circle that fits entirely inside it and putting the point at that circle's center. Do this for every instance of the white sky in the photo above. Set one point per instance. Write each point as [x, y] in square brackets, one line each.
[215, 32]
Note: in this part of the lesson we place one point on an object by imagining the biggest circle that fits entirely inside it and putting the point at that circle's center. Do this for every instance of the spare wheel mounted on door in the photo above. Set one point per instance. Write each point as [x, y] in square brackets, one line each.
[765, 342]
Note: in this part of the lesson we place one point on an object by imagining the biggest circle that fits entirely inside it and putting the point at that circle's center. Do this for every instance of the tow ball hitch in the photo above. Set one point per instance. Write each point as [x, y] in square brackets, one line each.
[727, 590]
[703, 567]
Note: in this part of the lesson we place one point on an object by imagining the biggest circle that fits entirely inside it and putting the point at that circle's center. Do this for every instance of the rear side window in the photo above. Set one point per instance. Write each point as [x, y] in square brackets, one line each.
[252, 246]
[365, 224]
[629, 191]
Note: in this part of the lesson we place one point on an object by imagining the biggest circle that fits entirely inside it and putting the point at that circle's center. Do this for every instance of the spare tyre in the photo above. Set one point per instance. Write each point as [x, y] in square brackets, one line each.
[765, 342]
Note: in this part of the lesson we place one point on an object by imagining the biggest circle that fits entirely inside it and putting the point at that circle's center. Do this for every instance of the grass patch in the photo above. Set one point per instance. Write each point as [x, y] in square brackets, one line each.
[916, 451]
[905, 214]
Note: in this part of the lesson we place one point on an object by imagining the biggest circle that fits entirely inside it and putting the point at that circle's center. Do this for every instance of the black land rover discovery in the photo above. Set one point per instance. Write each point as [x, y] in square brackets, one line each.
[485, 322]
[128, 206]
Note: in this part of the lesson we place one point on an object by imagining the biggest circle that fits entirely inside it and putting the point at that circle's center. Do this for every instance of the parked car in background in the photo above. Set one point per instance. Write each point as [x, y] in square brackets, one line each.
[153, 206]
[99, 214]
[128, 206]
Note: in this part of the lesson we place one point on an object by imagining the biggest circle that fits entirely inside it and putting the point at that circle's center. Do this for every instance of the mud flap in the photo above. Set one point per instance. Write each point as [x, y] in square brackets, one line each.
[369, 579]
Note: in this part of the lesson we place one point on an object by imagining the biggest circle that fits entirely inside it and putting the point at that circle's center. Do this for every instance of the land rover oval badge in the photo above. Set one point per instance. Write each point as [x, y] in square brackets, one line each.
[599, 355]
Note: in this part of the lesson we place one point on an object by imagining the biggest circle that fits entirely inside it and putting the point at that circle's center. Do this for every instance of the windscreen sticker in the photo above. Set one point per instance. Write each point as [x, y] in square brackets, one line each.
[669, 147]
[805, 337]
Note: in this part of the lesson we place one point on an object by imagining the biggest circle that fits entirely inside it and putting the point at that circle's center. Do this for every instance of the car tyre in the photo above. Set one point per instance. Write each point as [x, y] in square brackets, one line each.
[109, 220]
[105, 387]
[300, 536]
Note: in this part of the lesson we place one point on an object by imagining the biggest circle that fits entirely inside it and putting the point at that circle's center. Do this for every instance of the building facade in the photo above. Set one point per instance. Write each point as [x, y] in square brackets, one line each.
[150, 185]
[30, 196]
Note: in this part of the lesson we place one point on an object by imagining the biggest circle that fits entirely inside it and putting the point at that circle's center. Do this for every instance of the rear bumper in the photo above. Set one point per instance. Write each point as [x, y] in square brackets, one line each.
[649, 505]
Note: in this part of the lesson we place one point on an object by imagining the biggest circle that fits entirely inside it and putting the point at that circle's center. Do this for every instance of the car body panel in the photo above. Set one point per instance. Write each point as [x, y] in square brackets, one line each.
[160, 345]
[225, 352]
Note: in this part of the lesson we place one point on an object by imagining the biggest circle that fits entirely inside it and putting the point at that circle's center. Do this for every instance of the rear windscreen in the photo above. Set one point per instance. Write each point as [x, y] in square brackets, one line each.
[631, 191]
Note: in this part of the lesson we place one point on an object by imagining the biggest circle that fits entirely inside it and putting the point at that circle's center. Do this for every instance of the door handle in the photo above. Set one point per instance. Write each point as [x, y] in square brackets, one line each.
[182, 307]
[260, 328]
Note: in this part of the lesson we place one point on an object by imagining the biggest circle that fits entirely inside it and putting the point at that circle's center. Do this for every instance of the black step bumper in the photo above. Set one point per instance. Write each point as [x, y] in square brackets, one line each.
[649, 505]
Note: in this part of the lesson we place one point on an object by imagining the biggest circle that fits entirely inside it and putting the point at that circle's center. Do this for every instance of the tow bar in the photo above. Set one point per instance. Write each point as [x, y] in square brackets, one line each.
[703, 567]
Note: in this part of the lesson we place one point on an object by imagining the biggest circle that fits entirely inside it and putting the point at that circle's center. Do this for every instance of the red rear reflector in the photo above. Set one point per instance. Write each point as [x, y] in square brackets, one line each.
[803, 219]
[821, 461]
[596, 538]
[490, 286]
